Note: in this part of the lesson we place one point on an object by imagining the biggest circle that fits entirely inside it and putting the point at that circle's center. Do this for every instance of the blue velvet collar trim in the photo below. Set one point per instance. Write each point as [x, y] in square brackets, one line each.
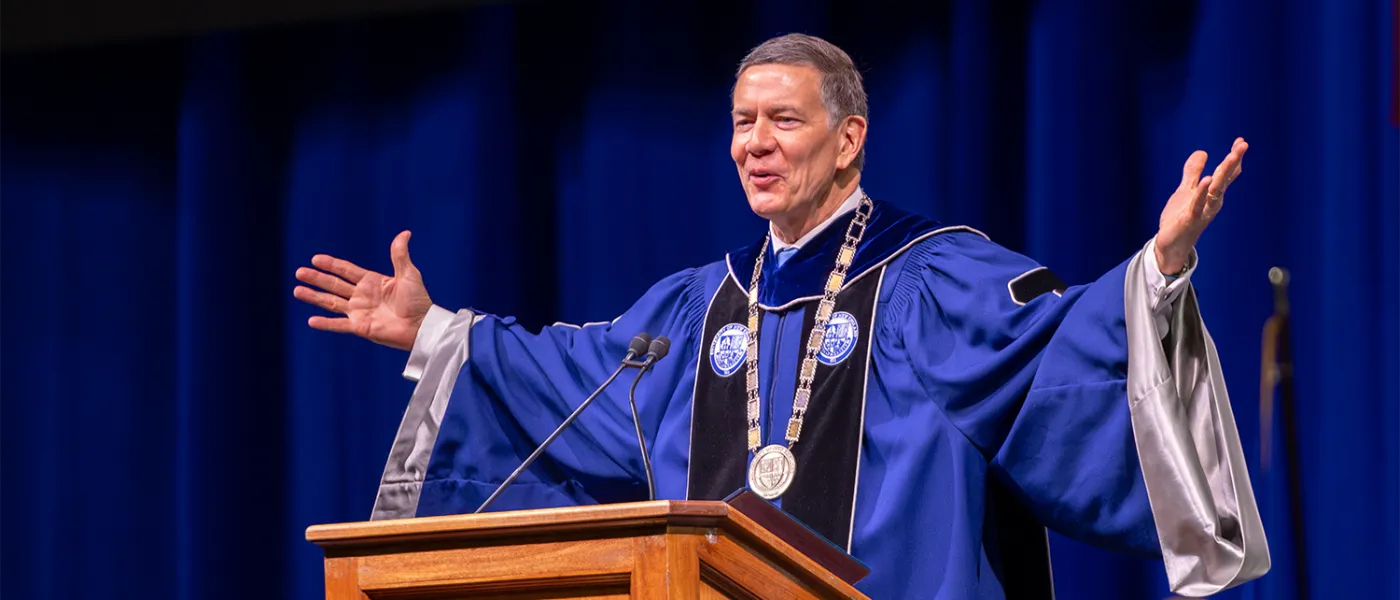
[890, 231]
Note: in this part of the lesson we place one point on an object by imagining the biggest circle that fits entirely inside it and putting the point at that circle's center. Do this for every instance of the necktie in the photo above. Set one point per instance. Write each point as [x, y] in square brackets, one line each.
[785, 254]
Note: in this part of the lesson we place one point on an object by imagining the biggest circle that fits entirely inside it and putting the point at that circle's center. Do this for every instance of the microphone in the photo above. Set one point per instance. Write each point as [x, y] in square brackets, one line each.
[638, 346]
[656, 350]
[641, 344]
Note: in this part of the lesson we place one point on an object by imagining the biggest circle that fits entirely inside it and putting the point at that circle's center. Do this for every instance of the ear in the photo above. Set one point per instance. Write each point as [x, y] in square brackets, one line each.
[852, 140]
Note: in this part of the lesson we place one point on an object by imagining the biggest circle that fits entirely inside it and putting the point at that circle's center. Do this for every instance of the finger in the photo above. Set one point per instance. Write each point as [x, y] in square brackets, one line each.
[325, 281]
[398, 252]
[1221, 178]
[1214, 202]
[345, 269]
[1192, 170]
[327, 301]
[1229, 169]
[1213, 205]
[340, 325]
[1224, 181]
[1200, 198]
[1240, 148]
[1237, 149]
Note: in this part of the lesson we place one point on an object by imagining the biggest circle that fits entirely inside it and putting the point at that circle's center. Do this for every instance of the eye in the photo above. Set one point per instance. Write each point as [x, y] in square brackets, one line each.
[742, 123]
[786, 122]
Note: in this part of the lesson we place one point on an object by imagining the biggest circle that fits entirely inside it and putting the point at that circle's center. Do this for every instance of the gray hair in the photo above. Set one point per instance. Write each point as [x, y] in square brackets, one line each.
[842, 92]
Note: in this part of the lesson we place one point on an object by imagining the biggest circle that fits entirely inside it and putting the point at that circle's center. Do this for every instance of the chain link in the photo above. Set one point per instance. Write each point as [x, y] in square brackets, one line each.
[803, 396]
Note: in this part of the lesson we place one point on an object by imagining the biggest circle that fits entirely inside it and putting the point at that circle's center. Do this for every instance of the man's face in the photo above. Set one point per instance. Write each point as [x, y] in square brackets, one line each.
[786, 152]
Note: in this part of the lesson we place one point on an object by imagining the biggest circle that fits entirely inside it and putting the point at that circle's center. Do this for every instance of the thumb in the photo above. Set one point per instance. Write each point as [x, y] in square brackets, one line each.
[398, 252]
[1192, 170]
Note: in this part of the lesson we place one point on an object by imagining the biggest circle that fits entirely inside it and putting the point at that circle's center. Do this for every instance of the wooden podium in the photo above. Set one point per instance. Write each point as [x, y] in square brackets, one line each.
[660, 549]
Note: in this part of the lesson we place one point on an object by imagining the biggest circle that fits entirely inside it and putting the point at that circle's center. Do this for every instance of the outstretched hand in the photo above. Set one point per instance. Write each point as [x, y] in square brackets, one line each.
[1194, 204]
[384, 310]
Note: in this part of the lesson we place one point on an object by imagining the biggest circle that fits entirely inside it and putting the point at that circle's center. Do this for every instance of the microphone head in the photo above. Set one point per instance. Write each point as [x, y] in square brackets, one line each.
[659, 347]
[639, 345]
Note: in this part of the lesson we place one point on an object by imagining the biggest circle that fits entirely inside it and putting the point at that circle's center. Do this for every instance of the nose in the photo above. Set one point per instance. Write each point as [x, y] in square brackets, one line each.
[761, 140]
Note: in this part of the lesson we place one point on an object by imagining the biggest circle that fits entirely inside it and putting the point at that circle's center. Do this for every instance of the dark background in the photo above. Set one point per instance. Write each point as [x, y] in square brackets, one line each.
[171, 426]
[52, 24]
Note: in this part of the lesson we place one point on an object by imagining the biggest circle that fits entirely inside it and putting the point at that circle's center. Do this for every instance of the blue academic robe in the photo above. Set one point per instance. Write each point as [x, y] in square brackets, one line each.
[974, 388]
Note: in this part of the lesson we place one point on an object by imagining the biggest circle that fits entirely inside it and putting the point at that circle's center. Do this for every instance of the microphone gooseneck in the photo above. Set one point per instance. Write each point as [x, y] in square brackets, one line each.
[656, 351]
[639, 345]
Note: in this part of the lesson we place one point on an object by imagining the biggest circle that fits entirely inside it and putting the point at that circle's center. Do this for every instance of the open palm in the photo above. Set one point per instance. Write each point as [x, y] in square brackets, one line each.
[384, 310]
[1194, 204]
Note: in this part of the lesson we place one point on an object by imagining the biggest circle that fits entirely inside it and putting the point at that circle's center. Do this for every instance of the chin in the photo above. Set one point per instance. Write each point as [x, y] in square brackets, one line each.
[768, 204]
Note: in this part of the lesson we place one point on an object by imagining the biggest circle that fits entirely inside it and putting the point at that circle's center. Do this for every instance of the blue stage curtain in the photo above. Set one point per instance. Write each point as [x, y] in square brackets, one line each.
[171, 426]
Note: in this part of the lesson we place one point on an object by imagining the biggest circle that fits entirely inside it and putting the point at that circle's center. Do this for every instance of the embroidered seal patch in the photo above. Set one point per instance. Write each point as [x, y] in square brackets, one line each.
[842, 331]
[729, 348]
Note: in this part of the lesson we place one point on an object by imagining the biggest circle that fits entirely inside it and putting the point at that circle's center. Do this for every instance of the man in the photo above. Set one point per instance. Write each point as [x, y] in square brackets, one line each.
[916, 393]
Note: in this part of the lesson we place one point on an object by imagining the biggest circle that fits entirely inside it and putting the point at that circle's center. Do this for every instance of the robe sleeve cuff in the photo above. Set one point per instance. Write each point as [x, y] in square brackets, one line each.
[429, 334]
[1164, 290]
[446, 343]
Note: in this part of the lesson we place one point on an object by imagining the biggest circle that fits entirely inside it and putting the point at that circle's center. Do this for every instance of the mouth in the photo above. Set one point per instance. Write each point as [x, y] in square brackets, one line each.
[763, 178]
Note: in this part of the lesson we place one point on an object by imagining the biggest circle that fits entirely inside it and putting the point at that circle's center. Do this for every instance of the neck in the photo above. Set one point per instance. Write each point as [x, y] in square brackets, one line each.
[790, 228]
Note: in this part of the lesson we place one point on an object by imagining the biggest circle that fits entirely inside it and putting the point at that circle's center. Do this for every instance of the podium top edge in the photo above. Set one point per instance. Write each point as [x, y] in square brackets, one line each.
[546, 520]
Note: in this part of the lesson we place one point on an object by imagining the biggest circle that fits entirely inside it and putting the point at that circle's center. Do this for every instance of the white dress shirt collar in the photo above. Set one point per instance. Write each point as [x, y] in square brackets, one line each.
[849, 205]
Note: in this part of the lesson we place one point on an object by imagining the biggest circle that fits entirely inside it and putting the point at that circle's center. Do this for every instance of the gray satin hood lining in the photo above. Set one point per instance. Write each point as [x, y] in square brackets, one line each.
[402, 482]
[1189, 447]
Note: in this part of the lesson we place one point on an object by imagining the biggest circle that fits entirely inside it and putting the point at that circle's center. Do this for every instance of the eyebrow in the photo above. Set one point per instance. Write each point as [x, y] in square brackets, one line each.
[780, 108]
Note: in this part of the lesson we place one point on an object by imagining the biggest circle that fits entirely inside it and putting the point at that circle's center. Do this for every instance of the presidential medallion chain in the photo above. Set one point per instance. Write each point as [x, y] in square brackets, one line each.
[774, 466]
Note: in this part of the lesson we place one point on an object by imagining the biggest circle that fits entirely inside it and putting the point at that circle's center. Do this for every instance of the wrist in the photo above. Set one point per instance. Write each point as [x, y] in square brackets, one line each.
[415, 329]
[1171, 262]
